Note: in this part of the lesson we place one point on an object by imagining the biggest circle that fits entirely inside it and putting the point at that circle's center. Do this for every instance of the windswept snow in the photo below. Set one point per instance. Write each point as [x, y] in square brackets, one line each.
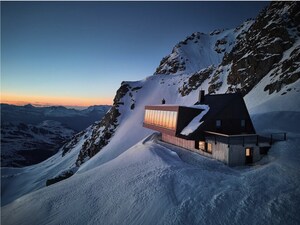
[157, 183]
[196, 122]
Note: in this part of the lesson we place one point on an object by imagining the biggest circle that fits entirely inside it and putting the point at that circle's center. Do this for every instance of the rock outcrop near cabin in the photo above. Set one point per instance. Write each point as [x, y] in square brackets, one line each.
[103, 130]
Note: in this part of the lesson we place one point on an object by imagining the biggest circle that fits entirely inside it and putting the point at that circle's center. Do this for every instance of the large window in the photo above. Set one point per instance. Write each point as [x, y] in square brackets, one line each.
[202, 145]
[161, 118]
[205, 146]
[248, 151]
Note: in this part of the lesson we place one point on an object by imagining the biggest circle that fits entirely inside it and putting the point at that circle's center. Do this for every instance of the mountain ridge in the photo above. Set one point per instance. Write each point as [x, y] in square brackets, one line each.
[218, 78]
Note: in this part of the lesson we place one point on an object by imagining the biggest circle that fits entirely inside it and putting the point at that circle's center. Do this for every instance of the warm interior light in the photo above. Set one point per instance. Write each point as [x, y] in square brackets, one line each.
[202, 145]
[161, 118]
[248, 152]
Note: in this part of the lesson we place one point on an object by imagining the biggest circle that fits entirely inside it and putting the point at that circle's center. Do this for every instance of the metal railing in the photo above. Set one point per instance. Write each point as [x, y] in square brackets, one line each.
[243, 139]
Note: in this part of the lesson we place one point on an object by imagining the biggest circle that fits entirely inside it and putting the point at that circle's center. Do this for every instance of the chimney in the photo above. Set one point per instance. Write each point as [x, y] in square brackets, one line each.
[201, 96]
[163, 101]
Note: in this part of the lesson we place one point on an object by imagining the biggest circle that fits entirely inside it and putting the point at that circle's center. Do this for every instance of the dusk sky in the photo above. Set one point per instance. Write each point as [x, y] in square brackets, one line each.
[78, 53]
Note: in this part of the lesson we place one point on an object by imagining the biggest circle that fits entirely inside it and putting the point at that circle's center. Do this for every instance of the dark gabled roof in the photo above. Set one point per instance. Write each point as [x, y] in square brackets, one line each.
[218, 102]
[223, 106]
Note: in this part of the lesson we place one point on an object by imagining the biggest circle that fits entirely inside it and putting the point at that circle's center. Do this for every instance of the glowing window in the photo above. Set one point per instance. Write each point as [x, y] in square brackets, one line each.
[146, 116]
[202, 145]
[168, 119]
[209, 147]
[161, 118]
[248, 152]
[174, 120]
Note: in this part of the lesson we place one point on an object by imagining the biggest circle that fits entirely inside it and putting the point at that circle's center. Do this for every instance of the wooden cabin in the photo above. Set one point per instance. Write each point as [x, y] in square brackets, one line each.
[217, 126]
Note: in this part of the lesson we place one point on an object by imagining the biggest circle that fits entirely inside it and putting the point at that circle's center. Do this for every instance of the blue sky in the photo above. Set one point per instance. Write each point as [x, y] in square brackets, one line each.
[84, 50]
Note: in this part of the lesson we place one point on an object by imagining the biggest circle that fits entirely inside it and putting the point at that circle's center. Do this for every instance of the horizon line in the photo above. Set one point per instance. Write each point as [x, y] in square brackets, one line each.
[41, 105]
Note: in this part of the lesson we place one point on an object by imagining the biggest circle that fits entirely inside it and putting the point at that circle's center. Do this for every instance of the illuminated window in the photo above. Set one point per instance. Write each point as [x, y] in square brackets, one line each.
[149, 116]
[218, 123]
[243, 123]
[206, 147]
[166, 119]
[209, 147]
[146, 116]
[174, 120]
[161, 118]
[248, 152]
[202, 145]
[155, 117]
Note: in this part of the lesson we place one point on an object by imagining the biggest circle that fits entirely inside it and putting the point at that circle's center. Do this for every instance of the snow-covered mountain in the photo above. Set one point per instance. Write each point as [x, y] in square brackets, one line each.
[124, 175]
[25, 144]
[200, 50]
[73, 118]
[31, 134]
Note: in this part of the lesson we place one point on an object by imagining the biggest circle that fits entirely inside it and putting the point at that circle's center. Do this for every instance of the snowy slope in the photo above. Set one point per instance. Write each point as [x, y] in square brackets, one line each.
[155, 183]
[16, 182]
[200, 50]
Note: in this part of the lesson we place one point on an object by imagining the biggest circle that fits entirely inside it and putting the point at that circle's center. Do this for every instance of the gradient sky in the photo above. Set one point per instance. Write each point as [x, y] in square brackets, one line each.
[78, 53]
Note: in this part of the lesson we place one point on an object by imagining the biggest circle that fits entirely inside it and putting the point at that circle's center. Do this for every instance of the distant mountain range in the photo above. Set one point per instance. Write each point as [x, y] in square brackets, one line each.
[75, 119]
[32, 134]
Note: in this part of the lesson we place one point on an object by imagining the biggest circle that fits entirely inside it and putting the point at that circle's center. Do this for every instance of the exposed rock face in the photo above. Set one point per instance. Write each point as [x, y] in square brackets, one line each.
[196, 52]
[102, 131]
[195, 81]
[267, 46]
[286, 72]
[261, 49]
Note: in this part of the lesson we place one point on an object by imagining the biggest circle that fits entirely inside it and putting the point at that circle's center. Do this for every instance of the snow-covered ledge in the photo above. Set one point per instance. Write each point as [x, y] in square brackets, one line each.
[195, 123]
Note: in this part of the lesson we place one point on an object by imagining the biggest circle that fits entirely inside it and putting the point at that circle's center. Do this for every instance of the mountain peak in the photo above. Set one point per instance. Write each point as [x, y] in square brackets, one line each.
[29, 106]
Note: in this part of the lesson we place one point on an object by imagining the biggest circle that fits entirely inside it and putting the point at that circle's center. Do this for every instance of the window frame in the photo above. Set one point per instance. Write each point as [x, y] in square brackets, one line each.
[217, 123]
[243, 123]
[206, 146]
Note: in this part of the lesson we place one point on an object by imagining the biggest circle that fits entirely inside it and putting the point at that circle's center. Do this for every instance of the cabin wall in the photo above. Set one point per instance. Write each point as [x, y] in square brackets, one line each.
[232, 155]
[188, 144]
[219, 151]
[237, 155]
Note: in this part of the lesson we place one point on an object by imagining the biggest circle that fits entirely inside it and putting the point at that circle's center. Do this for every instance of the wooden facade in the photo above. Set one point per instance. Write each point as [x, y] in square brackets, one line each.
[227, 116]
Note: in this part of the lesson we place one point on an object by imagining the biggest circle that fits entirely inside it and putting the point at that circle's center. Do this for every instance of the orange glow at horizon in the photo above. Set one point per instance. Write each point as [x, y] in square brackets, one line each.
[51, 101]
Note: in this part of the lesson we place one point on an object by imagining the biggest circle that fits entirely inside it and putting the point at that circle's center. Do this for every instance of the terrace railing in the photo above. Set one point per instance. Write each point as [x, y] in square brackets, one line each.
[243, 139]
